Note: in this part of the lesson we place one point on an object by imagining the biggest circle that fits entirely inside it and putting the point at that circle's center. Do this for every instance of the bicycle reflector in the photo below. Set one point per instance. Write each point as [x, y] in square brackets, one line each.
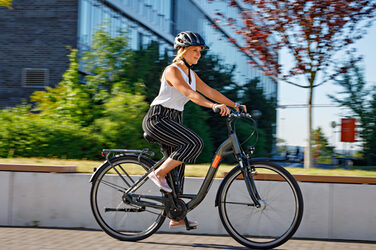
[216, 161]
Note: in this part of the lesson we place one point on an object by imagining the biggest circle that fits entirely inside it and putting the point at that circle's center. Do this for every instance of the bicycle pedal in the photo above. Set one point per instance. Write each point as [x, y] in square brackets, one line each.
[192, 228]
[187, 226]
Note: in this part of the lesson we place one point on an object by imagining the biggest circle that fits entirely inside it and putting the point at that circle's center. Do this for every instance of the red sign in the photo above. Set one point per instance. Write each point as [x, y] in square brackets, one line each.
[348, 129]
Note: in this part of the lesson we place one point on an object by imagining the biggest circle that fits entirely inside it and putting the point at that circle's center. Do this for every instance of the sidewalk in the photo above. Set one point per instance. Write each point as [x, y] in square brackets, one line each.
[38, 238]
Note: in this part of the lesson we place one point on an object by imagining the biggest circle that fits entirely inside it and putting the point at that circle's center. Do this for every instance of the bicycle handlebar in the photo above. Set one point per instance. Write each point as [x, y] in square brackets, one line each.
[255, 114]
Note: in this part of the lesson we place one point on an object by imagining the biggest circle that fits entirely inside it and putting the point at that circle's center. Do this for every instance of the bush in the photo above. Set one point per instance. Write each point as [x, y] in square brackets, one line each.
[27, 135]
[121, 124]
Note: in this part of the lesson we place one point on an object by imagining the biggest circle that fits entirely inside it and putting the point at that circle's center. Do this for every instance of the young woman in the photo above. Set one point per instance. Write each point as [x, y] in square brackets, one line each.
[163, 122]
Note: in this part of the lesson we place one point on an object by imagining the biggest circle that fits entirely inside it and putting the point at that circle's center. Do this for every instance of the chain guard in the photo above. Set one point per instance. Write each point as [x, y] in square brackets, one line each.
[177, 212]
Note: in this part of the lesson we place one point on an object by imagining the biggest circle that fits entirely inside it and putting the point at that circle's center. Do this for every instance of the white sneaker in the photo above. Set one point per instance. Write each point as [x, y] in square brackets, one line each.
[162, 184]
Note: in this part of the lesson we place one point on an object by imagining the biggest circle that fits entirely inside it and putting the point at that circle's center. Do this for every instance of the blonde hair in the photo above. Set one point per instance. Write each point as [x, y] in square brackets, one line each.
[180, 53]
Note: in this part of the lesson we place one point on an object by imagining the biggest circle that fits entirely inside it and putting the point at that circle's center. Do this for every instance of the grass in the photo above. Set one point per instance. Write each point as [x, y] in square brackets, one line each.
[334, 172]
[193, 170]
[83, 166]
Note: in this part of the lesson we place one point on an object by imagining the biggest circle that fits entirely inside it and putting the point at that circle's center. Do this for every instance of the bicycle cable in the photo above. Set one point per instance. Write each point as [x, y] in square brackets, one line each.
[253, 132]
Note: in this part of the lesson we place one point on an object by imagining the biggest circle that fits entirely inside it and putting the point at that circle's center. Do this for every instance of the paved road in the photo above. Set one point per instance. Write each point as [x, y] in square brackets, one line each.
[38, 238]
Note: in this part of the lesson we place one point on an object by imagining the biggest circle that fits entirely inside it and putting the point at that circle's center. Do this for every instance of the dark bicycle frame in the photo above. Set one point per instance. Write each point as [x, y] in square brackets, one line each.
[229, 146]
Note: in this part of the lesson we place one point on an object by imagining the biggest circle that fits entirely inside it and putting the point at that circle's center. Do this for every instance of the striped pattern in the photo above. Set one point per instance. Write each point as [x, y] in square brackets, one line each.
[165, 126]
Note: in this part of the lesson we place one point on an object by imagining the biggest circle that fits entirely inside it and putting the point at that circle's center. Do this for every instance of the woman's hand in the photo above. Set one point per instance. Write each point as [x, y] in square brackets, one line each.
[223, 109]
[243, 106]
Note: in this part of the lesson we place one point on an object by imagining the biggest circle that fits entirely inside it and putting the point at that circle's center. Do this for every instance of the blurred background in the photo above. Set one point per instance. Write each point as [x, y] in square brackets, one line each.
[77, 76]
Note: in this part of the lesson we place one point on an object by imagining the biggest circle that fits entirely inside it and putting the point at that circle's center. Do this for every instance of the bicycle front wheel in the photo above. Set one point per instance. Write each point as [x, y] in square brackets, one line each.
[279, 215]
[114, 213]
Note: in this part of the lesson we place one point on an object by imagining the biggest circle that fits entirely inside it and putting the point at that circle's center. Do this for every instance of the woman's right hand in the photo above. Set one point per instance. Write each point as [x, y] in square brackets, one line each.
[223, 109]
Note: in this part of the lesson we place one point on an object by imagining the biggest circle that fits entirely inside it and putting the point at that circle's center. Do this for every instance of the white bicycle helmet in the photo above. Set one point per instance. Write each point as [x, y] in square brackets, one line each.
[189, 38]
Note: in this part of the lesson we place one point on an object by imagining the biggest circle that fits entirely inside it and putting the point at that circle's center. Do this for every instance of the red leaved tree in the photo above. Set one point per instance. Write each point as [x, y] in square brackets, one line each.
[312, 31]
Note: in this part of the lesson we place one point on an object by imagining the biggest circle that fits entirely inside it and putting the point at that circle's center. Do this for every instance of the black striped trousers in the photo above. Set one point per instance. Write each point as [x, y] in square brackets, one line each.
[165, 126]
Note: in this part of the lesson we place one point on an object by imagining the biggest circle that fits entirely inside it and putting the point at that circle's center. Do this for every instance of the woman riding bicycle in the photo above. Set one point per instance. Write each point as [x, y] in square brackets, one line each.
[163, 121]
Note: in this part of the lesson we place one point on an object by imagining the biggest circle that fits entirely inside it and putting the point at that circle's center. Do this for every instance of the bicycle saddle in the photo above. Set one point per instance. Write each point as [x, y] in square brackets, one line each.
[165, 149]
[149, 138]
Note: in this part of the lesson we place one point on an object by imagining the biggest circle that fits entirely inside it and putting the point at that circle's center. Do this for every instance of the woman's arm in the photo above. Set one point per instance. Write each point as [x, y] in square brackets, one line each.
[174, 78]
[213, 94]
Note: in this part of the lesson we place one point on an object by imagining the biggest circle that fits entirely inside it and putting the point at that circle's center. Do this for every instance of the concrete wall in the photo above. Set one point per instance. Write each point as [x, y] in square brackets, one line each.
[332, 211]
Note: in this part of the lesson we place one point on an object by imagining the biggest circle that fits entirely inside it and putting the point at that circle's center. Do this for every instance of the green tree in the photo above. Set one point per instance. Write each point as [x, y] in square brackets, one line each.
[70, 99]
[108, 64]
[255, 99]
[195, 118]
[106, 101]
[121, 121]
[321, 149]
[362, 103]
[147, 66]
[220, 76]
[320, 142]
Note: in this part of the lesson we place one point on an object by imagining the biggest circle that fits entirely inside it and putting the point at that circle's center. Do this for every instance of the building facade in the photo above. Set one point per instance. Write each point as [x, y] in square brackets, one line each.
[35, 35]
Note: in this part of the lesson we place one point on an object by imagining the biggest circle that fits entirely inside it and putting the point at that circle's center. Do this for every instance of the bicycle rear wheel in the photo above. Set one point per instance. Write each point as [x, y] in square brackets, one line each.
[115, 215]
[281, 209]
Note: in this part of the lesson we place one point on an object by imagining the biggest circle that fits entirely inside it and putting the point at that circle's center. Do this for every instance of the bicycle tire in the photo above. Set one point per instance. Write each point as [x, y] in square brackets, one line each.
[275, 221]
[106, 191]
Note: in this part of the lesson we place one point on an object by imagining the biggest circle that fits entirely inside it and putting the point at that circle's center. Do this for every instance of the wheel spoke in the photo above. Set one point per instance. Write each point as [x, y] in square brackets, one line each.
[114, 186]
[121, 176]
[129, 177]
[240, 203]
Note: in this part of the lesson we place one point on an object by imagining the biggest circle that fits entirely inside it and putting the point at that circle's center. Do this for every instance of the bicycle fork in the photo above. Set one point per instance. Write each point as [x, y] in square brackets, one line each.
[250, 183]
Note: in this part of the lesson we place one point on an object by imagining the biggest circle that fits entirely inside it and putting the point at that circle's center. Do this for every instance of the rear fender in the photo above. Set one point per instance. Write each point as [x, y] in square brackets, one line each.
[105, 163]
[95, 174]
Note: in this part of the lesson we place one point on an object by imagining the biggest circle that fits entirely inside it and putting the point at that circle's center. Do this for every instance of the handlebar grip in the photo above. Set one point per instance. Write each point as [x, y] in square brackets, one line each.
[241, 109]
[216, 110]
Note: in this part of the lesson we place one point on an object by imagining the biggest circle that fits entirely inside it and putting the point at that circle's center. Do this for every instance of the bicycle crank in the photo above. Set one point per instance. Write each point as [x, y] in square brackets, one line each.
[176, 209]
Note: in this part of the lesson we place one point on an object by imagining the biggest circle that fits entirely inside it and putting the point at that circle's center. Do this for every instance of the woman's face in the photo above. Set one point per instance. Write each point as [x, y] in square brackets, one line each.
[193, 54]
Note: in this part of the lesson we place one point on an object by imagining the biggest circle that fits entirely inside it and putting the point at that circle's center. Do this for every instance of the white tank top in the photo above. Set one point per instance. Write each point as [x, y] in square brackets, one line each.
[169, 96]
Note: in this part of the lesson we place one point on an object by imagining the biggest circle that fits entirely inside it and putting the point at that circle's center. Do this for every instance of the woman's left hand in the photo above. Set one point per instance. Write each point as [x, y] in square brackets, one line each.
[243, 106]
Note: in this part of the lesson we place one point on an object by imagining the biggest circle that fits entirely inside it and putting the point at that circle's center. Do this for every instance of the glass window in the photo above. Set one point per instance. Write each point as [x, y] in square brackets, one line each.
[140, 38]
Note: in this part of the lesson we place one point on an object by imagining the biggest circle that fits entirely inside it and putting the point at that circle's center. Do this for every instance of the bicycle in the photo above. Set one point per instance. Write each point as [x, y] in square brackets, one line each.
[260, 203]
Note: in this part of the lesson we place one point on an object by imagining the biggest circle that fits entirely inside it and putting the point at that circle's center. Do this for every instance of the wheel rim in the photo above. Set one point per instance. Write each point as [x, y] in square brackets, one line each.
[108, 195]
[271, 224]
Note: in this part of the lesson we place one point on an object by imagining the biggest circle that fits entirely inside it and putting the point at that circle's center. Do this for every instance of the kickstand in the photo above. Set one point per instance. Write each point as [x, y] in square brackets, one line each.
[187, 226]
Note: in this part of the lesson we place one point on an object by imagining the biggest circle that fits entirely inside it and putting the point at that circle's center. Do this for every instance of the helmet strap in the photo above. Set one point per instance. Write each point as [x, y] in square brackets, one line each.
[189, 68]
